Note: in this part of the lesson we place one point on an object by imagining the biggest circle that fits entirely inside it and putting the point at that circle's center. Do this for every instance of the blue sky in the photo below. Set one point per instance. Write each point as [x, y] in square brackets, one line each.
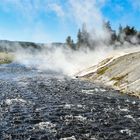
[53, 20]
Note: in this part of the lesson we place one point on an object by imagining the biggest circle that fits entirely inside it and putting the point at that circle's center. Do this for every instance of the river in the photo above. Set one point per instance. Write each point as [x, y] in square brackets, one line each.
[45, 105]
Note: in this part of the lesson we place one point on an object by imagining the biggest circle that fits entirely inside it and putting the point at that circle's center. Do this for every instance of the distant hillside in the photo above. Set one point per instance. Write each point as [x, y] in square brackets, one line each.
[12, 46]
[121, 73]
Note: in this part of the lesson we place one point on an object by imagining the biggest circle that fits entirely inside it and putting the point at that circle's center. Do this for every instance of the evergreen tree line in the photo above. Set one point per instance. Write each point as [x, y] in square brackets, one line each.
[124, 34]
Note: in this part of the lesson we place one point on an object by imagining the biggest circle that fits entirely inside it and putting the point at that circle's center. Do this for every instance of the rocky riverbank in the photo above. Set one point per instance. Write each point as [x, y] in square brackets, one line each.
[121, 73]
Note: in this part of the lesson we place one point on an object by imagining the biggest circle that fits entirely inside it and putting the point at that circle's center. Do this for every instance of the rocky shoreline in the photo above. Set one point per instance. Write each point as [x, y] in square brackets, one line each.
[118, 72]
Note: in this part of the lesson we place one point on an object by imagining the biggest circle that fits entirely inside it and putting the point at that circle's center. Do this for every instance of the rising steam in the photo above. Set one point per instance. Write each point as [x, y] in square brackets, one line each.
[65, 60]
[61, 60]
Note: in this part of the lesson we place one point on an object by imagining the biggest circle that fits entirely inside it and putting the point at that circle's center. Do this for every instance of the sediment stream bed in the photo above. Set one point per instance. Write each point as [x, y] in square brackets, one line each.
[37, 105]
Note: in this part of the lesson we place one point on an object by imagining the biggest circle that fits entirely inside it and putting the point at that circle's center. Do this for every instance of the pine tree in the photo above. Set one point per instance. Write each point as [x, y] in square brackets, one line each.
[107, 26]
[79, 38]
[138, 37]
[120, 37]
[129, 32]
[70, 42]
[112, 34]
[83, 37]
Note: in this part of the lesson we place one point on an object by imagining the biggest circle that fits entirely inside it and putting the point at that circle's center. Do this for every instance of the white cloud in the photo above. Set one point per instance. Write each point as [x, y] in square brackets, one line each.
[24, 8]
[57, 9]
[39, 34]
[72, 11]
[135, 4]
[118, 8]
[89, 12]
[86, 12]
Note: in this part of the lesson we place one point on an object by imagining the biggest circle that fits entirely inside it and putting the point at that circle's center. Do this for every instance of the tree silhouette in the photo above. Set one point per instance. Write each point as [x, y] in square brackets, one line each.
[70, 42]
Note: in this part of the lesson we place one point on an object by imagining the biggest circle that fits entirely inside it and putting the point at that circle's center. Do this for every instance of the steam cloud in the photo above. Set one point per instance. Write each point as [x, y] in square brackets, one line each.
[65, 60]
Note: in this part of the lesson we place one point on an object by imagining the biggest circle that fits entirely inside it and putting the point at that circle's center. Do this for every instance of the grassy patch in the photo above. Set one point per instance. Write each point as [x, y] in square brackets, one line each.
[118, 79]
[102, 70]
[6, 58]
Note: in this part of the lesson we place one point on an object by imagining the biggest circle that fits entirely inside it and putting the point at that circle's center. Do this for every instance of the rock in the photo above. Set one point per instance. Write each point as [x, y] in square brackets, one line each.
[121, 73]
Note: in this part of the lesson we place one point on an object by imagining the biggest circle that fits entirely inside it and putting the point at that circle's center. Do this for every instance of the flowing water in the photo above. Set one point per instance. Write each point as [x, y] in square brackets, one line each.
[44, 105]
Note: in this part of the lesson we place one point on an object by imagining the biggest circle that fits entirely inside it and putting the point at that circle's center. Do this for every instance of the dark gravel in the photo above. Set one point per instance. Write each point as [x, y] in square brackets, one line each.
[47, 106]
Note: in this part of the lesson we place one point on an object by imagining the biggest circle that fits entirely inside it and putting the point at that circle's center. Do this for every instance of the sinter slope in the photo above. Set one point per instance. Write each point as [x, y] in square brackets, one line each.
[121, 73]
